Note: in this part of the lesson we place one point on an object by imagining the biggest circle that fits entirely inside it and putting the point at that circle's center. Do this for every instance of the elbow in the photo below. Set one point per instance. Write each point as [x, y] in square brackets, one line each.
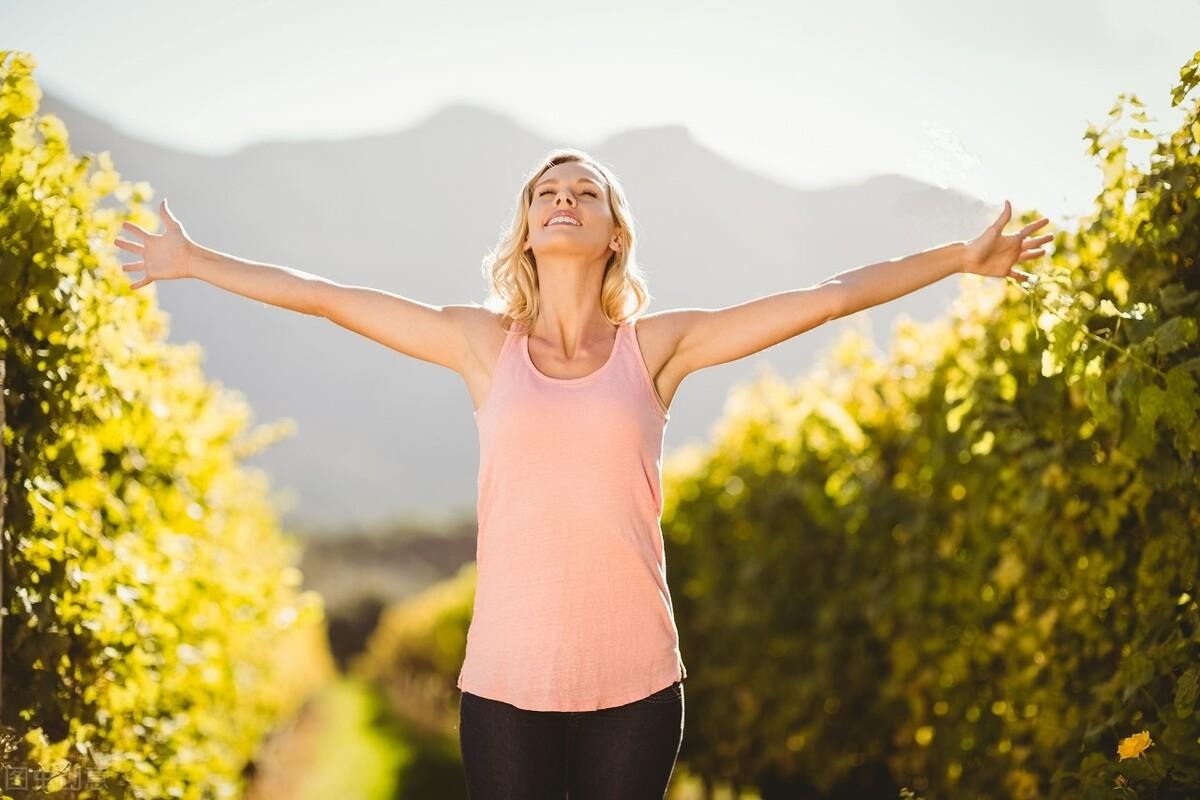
[838, 304]
[315, 301]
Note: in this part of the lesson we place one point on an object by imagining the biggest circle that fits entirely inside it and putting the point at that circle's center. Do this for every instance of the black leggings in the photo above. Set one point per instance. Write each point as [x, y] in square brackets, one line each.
[627, 751]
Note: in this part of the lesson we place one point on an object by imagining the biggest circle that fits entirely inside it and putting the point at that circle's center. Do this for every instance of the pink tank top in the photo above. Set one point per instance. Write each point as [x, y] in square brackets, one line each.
[572, 610]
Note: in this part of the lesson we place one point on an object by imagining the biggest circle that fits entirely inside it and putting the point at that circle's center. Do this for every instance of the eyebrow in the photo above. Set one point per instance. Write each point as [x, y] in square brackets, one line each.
[577, 180]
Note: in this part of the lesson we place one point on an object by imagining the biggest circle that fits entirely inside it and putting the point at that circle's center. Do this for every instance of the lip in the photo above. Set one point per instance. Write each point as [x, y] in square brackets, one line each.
[554, 214]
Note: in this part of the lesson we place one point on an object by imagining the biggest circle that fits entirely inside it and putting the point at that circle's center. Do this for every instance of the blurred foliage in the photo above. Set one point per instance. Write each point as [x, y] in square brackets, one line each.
[418, 648]
[154, 628]
[413, 658]
[358, 753]
[974, 561]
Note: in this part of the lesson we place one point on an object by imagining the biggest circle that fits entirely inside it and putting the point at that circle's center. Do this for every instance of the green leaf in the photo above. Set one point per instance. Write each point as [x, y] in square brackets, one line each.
[1174, 334]
[1186, 690]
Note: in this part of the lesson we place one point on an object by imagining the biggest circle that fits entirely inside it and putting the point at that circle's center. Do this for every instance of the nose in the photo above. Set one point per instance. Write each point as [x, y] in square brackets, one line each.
[561, 195]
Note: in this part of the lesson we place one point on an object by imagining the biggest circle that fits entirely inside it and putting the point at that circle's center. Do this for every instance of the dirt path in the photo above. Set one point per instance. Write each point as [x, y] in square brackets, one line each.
[287, 753]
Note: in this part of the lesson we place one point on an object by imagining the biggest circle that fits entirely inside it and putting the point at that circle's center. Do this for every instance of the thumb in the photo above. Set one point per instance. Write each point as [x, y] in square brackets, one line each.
[164, 211]
[1004, 217]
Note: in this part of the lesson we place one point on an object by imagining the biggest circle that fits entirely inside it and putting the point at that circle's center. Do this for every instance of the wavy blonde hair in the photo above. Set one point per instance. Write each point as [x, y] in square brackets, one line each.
[511, 272]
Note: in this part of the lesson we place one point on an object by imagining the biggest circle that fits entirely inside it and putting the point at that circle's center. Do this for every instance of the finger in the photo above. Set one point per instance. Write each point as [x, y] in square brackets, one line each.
[1028, 254]
[139, 230]
[125, 244]
[1033, 226]
[1049, 237]
[164, 211]
[140, 283]
[1004, 217]
[133, 266]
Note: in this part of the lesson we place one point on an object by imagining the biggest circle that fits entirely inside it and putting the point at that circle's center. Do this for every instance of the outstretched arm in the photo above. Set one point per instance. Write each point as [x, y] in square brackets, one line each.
[990, 253]
[715, 336]
[875, 284]
[437, 334]
[704, 337]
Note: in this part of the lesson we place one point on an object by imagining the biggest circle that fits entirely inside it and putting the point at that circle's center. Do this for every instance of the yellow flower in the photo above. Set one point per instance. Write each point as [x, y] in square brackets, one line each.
[1022, 784]
[1133, 746]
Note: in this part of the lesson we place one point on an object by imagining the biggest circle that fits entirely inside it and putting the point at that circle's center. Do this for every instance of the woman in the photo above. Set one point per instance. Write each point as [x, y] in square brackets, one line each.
[573, 679]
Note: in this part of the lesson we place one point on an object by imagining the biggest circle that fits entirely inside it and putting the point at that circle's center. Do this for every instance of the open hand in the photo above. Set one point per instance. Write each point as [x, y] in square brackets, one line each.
[992, 253]
[165, 256]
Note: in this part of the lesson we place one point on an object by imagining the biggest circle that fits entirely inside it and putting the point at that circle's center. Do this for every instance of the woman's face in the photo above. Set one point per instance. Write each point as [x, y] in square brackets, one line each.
[577, 191]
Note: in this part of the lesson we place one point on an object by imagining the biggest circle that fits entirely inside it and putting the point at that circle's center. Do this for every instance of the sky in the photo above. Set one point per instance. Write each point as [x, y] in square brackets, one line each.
[991, 99]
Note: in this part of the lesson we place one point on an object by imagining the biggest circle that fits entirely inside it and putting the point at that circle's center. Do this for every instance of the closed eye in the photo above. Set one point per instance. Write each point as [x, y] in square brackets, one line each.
[551, 191]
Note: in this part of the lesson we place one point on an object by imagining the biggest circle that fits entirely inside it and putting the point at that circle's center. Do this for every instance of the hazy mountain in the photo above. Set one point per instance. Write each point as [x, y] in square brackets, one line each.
[413, 212]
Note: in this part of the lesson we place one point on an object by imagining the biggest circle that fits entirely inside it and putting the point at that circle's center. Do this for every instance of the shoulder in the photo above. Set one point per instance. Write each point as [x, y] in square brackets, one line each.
[658, 335]
[483, 331]
[659, 332]
[477, 320]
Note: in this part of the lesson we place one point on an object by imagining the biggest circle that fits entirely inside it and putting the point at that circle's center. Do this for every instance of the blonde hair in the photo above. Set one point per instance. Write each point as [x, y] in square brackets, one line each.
[511, 272]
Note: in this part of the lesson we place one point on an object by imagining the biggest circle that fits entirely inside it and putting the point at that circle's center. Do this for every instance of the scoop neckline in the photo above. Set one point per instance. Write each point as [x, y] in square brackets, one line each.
[550, 378]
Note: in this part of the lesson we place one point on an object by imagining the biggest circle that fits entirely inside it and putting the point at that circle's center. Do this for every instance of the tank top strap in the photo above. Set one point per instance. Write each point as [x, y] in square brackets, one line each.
[625, 332]
[514, 343]
[512, 333]
[505, 346]
[627, 342]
